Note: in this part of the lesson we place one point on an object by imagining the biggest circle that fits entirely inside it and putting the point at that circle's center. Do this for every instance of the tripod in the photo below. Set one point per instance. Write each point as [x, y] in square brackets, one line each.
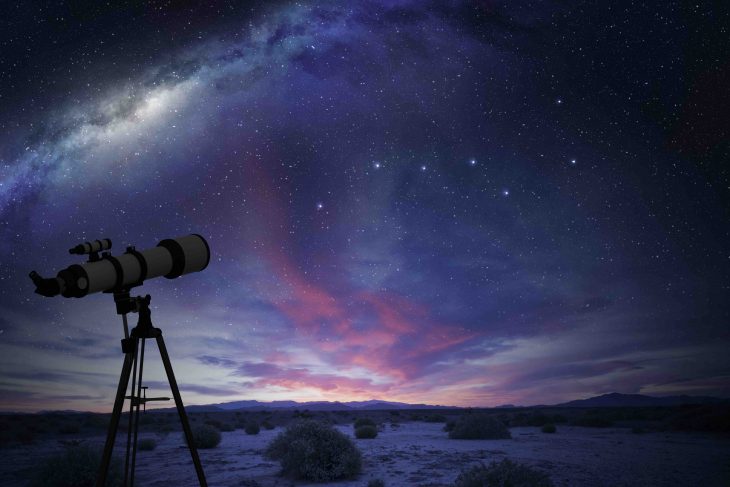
[134, 355]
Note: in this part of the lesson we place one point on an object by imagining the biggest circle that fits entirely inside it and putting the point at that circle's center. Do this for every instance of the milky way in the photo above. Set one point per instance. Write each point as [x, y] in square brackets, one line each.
[468, 204]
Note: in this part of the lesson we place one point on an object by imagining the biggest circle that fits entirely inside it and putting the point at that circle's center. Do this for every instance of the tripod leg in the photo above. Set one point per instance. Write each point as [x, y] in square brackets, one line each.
[114, 423]
[136, 414]
[181, 410]
[131, 411]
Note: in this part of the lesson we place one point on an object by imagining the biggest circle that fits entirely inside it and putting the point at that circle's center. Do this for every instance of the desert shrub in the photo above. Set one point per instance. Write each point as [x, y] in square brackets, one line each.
[559, 418]
[268, 425]
[376, 483]
[96, 421]
[366, 432]
[592, 420]
[147, 444]
[25, 435]
[69, 428]
[435, 418]
[76, 466]
[537, 419]
[450, 424]
[306, 414]
[311, 450]
[699, 418]
[502, 474]
[146, 419]
[479, 427]
[549, 428]
[252, 428]
[219, 425]
[363, 422]
[205, 436]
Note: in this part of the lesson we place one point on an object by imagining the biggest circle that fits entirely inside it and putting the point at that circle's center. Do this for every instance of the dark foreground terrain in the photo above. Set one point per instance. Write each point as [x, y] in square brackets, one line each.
[591, 447]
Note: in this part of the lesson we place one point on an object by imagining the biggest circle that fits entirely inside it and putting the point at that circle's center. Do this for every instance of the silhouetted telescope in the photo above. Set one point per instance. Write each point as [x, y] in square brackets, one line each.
[171, 258]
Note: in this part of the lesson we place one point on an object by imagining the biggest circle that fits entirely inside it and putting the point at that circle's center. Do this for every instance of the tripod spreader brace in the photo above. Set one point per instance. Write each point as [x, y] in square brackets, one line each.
[133, 346]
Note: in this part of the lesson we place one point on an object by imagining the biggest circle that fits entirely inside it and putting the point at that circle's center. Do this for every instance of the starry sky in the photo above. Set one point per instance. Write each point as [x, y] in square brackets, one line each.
[442, 202]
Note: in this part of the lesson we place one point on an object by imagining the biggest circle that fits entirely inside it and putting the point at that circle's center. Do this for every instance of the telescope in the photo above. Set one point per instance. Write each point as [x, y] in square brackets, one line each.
[171, 258]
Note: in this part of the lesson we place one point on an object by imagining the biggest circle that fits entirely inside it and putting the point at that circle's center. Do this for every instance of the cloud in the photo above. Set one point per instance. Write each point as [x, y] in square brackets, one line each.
[218, 362]
[295, 379]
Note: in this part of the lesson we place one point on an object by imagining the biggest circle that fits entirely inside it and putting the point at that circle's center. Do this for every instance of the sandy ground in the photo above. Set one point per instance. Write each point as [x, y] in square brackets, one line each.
[420, 454]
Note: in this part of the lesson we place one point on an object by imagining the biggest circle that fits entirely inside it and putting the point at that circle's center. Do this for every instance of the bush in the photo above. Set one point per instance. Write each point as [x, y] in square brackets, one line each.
[479, 427]
[76, 466]
[376, 483]
[303, 414]
[220, 426]
[435, 418]
[592, 420]
[311, 450]
[559, 418]
[252, 428]
[25, 435]
[537, 419]
[366, 432]
[205, 436]
[450, 425]
[268, 425]
[97, 422]
[503, 474]
[549, 428]
[69, 429]
[364, 422]
[147, 444]
[710, 417]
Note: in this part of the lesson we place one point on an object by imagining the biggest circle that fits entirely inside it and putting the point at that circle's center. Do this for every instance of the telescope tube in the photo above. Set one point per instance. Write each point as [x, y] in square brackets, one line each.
[171, 258]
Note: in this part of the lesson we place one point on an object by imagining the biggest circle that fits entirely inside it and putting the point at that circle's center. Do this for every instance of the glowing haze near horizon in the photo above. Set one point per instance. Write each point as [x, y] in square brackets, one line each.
[433, 202]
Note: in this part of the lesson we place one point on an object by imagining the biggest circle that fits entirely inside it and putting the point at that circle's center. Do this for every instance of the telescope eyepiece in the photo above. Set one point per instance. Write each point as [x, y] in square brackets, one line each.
[47, 287]
[91, 247]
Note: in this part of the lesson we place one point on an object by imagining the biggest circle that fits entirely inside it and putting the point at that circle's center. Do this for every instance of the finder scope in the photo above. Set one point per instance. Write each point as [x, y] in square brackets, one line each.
[91, 247]
[171, 258]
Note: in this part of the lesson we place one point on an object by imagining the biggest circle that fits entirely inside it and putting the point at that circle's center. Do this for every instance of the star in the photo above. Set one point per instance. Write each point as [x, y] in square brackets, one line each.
[473, 162]
[377, 165]
[320, 206]
[423, 168]
[505, 192]
[573, 161]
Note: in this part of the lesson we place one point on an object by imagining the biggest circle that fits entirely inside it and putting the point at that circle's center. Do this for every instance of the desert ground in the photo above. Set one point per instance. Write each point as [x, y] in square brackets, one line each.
[418, 453]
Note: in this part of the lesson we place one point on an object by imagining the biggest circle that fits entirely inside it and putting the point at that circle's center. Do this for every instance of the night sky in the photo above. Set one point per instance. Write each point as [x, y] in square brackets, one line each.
[442, 202]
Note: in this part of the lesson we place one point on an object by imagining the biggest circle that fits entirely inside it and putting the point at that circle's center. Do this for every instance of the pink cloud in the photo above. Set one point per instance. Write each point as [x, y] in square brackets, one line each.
[389, 335]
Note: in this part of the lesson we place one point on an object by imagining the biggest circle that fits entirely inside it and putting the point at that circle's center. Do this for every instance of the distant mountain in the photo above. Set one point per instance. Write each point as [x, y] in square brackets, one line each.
[255, 405]
[616, 399]
[312, 406]
[613, 399]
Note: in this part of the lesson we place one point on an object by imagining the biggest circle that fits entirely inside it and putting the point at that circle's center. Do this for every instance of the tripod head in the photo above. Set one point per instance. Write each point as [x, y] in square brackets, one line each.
[130, 304]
